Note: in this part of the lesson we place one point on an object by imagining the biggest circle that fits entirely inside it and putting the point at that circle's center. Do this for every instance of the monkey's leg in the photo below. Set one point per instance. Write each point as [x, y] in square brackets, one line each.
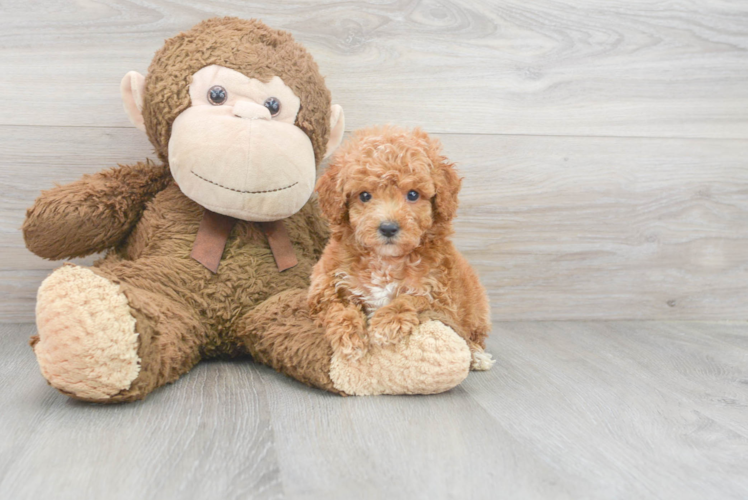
[107, 342]
[280, 333]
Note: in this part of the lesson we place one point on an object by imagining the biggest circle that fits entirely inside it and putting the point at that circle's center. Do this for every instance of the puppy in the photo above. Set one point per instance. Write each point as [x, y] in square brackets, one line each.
[389, 197]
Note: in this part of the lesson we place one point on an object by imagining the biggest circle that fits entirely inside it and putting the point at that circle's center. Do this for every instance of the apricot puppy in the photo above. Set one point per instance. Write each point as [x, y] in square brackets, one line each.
[390, 196]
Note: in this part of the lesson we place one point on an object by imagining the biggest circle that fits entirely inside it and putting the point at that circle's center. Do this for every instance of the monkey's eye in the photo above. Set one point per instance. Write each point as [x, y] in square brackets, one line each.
[217, 95]
[364, 196]
[273, 105]
[412, 195]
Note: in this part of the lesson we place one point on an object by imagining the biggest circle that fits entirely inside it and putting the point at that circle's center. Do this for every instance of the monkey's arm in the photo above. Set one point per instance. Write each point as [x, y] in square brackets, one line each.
[93, 213]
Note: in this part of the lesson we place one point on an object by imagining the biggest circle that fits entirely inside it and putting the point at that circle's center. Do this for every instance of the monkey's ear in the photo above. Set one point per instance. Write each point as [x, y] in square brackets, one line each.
[133, 89]
[337, 129]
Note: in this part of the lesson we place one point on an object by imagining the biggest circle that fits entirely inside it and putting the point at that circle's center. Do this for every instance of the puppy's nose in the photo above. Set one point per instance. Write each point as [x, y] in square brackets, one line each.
[389, 228]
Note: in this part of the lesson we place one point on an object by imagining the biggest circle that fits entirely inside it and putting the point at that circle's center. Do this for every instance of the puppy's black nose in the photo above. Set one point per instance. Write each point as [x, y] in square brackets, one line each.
[389, 228]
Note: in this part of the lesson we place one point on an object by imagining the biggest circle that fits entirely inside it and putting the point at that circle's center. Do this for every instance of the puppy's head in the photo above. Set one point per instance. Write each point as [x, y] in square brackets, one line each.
[391, 189]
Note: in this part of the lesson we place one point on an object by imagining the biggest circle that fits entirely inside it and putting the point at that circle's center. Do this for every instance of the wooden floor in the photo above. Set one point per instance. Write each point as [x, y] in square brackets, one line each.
[571, 410]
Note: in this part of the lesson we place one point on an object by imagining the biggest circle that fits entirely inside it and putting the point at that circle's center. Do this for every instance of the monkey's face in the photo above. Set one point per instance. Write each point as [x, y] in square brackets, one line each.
[236, 149]
[245, 138]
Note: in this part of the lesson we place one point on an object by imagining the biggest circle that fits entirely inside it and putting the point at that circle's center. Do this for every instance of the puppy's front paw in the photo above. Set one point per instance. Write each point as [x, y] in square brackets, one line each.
[389, 327]
[347, 334]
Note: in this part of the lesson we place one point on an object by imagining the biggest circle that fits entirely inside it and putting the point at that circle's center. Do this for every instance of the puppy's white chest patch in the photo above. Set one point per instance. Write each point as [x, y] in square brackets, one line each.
[379, 291]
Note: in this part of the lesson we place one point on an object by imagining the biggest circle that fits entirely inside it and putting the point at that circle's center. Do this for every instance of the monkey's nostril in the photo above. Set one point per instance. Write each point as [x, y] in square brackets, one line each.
[389, 229]
[251, 111]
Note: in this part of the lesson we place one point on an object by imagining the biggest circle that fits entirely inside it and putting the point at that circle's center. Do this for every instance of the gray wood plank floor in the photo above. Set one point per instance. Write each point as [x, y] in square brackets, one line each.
[571, 410]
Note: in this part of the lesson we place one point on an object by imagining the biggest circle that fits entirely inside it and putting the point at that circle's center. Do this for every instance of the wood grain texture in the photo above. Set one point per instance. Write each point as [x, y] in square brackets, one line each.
[622, 68]
[558, 227]
[561, 222]
[606, 228]
[604, 151]
[571, 410]
[573, 390]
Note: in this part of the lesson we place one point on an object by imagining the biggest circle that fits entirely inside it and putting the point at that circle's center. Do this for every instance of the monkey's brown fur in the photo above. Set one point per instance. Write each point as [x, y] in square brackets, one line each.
[183, 311]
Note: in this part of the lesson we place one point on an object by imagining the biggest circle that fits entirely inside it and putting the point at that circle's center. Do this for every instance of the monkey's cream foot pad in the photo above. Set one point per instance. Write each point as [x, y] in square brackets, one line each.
[87, 341]
[433, 359]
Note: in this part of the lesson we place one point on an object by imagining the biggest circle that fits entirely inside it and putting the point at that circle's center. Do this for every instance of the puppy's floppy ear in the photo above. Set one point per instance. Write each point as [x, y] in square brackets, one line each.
[447, 184]
[332, 200]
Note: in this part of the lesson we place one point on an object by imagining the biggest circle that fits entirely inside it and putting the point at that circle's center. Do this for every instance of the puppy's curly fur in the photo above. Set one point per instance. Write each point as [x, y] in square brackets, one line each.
[390, 197]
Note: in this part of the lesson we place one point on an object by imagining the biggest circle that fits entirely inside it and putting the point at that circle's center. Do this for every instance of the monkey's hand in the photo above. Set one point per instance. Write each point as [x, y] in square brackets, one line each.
[93, 213]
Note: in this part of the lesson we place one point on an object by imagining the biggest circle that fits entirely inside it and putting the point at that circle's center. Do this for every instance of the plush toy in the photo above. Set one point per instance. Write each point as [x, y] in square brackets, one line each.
[210, 253]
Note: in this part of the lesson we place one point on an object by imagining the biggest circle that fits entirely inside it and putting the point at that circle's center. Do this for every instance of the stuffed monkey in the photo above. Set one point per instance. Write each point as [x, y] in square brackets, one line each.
[209, 254]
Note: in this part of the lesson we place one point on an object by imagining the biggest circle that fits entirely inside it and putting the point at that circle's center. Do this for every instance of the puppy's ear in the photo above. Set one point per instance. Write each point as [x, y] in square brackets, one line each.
[447, 186]
[332, 200]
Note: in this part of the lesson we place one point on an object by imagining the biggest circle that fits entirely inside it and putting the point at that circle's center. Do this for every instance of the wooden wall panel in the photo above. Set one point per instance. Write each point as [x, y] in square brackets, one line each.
[604, 144]
[559, 227]
[620, 68]
[603, 228]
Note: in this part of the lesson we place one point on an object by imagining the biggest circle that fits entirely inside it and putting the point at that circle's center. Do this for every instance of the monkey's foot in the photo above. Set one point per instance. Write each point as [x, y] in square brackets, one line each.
[87, 344]
[432, 359]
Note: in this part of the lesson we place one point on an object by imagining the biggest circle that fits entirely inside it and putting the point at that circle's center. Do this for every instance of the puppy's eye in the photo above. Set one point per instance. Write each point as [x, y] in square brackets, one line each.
[217, 95]
[364, 196]
[273, 105]
[413, 195]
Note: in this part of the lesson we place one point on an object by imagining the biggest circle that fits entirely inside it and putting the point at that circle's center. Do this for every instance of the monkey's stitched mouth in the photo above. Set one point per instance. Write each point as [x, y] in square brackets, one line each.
[240, 191]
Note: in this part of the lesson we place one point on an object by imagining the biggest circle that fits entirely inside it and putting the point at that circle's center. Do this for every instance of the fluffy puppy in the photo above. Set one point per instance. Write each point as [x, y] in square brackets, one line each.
[389, 197]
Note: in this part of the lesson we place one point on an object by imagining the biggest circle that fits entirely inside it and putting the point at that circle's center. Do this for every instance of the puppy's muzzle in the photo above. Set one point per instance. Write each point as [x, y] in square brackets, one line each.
[389, 229]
